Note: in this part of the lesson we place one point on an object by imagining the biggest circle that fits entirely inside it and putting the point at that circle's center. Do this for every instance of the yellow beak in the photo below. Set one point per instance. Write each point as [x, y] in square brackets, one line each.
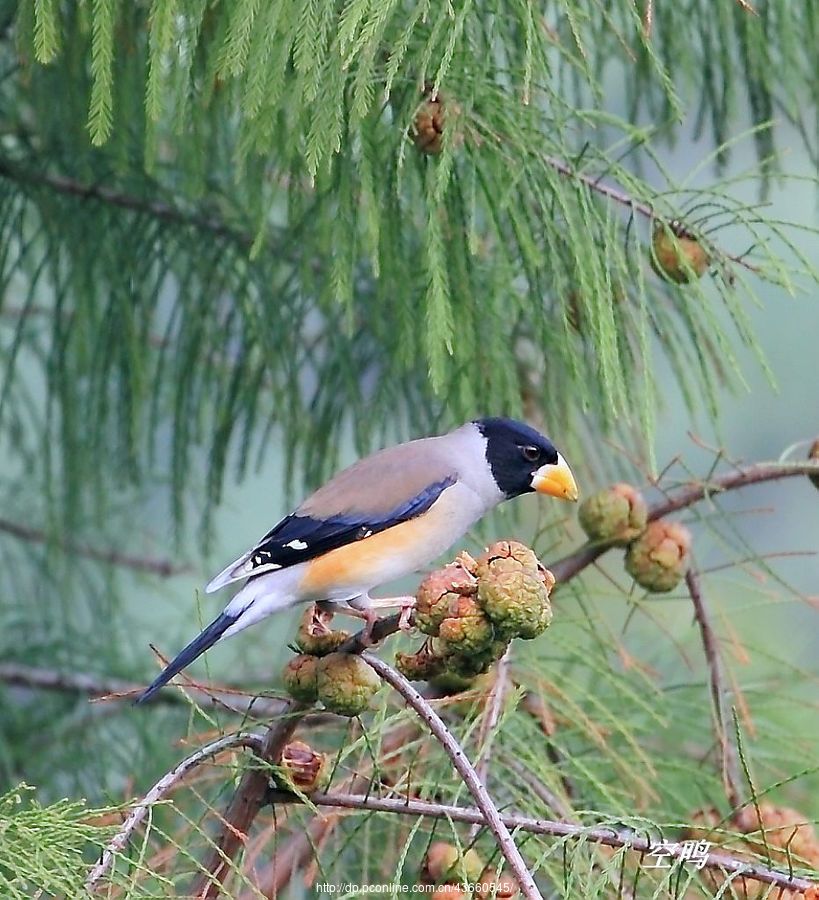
[556, 480]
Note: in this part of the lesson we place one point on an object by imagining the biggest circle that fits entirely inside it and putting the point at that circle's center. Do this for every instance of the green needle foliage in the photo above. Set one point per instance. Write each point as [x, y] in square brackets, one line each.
[277, 253]
[223, 229]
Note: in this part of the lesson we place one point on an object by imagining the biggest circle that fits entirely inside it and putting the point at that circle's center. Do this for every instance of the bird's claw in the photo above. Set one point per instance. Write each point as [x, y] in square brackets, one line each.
[406, 618]
[370, 618]
[320, 620]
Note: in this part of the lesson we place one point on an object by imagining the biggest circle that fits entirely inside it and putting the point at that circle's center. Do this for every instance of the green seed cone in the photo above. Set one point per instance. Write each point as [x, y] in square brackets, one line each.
[657, 560]
[300, 678]
[346, 684]
[618, 514]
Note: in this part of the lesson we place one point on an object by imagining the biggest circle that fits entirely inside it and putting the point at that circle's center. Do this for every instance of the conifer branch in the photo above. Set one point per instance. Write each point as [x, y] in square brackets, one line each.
[610, 836]
[245, 805]
[250, 796]
[729, 762]
[298, 850]
[166, 784]
[105, 689]
[493, 707]
[156, 209]
[572, 565]
[620, 196]
[566, 568]
[489, 812]
[162, 567]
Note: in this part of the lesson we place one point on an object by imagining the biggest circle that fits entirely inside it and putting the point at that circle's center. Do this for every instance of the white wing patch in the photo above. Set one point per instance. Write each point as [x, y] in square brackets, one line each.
[296, 544]
[250, 562]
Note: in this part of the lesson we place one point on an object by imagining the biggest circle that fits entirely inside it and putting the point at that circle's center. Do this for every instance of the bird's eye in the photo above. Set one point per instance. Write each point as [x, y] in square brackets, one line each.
[530, 453]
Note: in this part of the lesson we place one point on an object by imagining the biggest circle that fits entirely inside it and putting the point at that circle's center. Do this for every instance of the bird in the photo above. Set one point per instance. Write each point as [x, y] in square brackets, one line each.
[386, 516]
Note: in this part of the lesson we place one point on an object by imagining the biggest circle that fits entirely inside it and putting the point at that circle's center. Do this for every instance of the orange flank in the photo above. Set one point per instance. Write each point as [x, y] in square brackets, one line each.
[382, 557]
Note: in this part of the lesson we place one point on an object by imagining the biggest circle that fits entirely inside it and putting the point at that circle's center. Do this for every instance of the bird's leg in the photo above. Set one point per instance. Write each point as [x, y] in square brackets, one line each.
[366, 608]
[321, 615]
[369, 617]
[405, 605]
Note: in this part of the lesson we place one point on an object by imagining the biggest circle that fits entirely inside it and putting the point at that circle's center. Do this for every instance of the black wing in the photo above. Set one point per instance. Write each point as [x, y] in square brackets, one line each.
[300, 537]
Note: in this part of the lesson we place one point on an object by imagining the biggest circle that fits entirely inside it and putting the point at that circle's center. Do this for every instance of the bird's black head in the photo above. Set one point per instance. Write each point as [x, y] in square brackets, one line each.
[523, 460]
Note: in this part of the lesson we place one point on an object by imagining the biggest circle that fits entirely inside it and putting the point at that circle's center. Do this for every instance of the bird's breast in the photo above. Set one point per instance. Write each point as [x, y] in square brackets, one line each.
[397, 551]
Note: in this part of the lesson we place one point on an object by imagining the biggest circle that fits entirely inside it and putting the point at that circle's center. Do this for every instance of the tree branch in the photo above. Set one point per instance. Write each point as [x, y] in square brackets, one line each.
[593, 183]
[489, 812]
[600, 834]
[729, 762]
[159, 790]
[489, 721]
[572, 565]
[106, 689]
[164, 212]
[298, 851]
[566, 568]
[245, 805]
[163, 567]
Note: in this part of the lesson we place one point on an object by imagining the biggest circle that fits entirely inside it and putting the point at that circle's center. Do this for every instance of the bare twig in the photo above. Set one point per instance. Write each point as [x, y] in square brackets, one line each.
[492, 714]
[566, 568]
[489, 812]
[107, 689]
[739, 477]
[747, 7]
[728, 754]
[648, 18]
[245, 805]
[162, 788]
[600, 834]
[489, 721]
[163, 567]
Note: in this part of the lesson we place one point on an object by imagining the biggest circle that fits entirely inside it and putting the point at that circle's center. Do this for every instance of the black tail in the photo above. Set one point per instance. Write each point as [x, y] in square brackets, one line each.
[197, 647]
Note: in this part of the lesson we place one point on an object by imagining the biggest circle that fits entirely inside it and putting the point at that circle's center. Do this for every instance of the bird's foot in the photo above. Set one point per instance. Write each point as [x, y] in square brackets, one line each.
[406, 619]
[405, 605]
[321, 615]
[370, 618]
[369, 613]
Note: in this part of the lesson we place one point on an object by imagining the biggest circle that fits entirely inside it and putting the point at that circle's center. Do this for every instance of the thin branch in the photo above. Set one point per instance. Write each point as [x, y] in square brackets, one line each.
[489, 722]
[566, 568]
[593, 183]
[298, 851]
[648, 18]
[747, 7]
[164, 212]
[600, 834]
[540, 790]
[740, 477]
[245, 805]
[572, 565]
[165, 784]
[489, 812]
[728, 754]
[382, 628]
[107, 689]
[163, 567]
